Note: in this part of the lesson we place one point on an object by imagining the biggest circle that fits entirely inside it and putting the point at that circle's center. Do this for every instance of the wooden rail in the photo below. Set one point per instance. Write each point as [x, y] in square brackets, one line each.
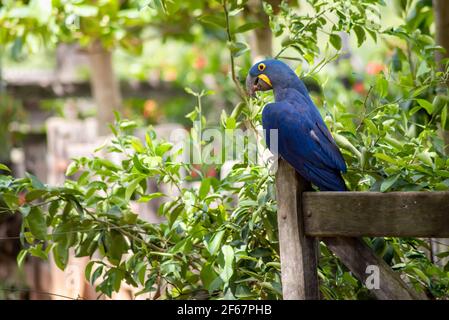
[376, 214]
[340, 219]
[34, 89]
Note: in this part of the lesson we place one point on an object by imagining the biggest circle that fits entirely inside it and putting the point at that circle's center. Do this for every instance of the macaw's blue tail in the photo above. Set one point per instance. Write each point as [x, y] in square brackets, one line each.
[326, 179]
[335, 186]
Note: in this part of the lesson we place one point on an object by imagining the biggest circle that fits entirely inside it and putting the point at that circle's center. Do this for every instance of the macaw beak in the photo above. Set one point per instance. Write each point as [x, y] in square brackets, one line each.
[258, 83]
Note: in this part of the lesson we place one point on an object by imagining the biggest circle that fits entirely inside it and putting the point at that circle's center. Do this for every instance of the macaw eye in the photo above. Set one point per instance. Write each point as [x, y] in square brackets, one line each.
[261, 67]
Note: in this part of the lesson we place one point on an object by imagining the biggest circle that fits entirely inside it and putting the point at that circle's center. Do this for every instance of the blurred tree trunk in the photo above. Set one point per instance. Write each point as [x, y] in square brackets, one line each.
[263, 42]
[105, 86]
[441, 13]
[262, 38]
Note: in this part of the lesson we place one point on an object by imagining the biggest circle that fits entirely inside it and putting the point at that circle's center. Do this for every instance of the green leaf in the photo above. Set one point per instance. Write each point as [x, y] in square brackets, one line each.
[148, 140]
[382, 86]
[61, 255]
[34, 194]
[373, 34]
[208, 275]
[162, 148]
[12, 201]
[190, 91]
[52, 210]
[425, 157]
[343, 142]
[273, 287]
[137, 145]
[36, 223]
[36, 251]
[128, 124]
[132, 187]
[117, 246]
[97, 273]
[141, 270]
[443, 254]
[88, 270]
[422, 275]
[419, 91]
[117, 276]
[204, 188]
[371, 126]
[428, 106]
[238, 110]
[130, 217]
[422, 69]
[174, 214]
[138, 165]
[5, 168]
[216, 20]
[35, 181]
[414, 110]
[227, 270]
[192, 115]
[151, 196]
[385, 157]
[335, 40]
[275, 265]
[444, 117]
[230, 123]
[387, 183]
[238, 48]
[215, 242]
[361, 35]
[89, 245]
[21, 257]
[248, 26]
[25, 210]
[67, 208]
[216, 284]
[72, 169]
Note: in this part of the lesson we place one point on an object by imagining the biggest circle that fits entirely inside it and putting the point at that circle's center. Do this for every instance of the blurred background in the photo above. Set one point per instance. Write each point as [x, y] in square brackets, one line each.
[66, 66]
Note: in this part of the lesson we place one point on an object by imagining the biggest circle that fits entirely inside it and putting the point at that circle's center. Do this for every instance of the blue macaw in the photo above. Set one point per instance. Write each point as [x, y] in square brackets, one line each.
[303, 138]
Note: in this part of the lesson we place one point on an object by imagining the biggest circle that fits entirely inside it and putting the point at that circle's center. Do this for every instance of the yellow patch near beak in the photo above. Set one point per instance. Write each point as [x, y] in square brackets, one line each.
[265, 79]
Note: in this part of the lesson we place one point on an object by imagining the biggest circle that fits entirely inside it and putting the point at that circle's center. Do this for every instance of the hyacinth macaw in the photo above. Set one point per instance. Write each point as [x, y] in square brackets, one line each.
[303, 138]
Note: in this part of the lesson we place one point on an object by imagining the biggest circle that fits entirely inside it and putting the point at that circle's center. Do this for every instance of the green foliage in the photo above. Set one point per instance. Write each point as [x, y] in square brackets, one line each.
[219, 239]
[300, 32]
[390, 136]
[114, 22]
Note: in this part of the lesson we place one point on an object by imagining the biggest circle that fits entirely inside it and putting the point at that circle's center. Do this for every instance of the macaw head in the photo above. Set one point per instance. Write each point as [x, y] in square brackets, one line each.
[269, 74]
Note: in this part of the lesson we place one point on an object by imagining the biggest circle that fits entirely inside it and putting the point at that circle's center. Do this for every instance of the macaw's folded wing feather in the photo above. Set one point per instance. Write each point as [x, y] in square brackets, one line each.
[305, 143]
[329, 147]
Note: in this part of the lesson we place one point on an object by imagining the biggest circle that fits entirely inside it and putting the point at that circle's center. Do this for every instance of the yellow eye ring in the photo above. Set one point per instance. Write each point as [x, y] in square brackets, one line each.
[261, 66]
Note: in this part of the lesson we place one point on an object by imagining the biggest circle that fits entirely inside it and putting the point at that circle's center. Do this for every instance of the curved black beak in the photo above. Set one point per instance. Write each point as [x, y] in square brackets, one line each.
[254, 84]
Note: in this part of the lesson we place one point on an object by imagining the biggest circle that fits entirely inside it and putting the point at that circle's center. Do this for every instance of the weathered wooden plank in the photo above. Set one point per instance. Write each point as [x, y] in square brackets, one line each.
[356, 214]
[54, 89]
[364, 263]
[299, 254]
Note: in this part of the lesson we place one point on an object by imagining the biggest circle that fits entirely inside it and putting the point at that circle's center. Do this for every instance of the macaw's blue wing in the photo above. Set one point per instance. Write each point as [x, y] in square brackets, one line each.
[305, 142]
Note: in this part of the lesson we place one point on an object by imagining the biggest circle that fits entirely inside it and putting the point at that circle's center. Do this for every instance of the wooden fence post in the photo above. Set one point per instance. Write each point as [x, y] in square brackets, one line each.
[299, 254]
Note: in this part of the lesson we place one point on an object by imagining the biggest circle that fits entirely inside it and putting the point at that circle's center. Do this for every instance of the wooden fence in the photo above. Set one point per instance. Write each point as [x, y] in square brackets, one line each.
[339, 219]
